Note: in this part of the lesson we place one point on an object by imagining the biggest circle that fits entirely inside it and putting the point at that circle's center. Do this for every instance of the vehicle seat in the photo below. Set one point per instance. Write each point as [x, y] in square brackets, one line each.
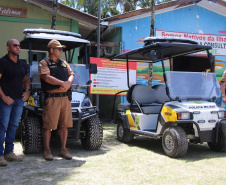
[149, 99]
[160, 93]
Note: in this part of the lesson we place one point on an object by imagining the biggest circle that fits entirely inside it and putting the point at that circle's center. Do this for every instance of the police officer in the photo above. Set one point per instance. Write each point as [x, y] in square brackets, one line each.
[56, 79]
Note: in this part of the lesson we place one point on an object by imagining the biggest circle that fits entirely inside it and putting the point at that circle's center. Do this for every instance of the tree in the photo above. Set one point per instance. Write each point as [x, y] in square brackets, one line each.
[54, 14]
[109, 7]
[70, 3]
[152, 29]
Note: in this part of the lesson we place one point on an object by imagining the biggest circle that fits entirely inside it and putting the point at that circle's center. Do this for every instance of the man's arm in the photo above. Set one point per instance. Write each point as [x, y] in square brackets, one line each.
[54, 81]
[5, 98]
[26, 82]
[71, 79]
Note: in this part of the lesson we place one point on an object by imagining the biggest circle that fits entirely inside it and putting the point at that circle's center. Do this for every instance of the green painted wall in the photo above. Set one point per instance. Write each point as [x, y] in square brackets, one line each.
[12, 27]
[74, 28]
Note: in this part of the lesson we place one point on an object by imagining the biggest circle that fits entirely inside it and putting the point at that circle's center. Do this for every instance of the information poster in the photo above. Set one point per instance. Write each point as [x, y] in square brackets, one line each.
[111, 76]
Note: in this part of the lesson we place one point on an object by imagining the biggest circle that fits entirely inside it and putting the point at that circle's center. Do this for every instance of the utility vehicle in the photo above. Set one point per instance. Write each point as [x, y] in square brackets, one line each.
[181, 111]
[86, 124]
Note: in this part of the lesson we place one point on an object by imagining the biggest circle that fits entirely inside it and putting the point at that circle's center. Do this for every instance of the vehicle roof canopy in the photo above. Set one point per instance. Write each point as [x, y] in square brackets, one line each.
[41, 37]
[170, 48]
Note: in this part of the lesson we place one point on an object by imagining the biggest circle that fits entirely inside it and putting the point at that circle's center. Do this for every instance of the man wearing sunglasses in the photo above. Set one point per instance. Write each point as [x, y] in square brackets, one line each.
[14, 91]
[56, 79]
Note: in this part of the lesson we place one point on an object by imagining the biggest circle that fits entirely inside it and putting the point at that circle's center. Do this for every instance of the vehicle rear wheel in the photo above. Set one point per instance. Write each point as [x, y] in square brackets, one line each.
[93, 133]
[31, 135]
[123, 134]
[174, 142]
[220, 146]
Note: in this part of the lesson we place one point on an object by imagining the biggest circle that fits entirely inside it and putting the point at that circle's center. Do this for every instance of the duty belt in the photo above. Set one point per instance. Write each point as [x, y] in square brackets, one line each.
[47, 95]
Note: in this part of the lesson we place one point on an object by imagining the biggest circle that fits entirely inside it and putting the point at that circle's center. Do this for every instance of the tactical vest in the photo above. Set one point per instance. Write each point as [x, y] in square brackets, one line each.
[57, 70]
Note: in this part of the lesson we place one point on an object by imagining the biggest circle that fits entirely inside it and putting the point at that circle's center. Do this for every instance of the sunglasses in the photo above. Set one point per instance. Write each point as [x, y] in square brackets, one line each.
[16, 45]
[60, 49]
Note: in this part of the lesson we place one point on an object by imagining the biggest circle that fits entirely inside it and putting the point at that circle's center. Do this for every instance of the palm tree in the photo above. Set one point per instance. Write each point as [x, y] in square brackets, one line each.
[152, 29]
[70, 3]
[54, 14]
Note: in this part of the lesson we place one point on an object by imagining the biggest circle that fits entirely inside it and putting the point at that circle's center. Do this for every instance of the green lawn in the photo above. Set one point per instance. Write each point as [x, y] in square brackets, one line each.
[141, 162]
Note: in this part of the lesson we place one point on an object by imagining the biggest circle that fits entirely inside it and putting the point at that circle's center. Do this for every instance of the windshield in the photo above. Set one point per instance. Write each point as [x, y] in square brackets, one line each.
[81, 76]
[192, 85]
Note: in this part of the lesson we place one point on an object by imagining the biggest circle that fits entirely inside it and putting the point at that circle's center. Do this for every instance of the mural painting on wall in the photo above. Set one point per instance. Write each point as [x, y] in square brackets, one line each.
[218, 43]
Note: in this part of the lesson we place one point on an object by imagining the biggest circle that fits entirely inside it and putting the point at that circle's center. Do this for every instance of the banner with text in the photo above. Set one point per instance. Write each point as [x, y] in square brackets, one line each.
[111, 76]
[218, 42]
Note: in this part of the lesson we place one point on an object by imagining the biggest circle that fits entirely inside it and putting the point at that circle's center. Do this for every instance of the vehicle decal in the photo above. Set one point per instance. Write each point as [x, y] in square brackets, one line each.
[131, 120]
[169, 114]
[137, 121]
[198, 102]
[31, 101]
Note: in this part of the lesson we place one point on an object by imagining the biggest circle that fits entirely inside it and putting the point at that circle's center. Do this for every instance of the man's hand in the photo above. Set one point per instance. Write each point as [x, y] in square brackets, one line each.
[25, 96]
[8, 100]
[65, 85]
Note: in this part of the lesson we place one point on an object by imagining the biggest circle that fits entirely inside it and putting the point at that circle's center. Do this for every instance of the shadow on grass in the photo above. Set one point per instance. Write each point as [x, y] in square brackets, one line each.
[195, 152]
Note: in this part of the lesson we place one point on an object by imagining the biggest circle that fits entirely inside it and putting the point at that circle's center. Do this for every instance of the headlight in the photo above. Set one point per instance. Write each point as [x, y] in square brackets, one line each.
[86, 102]
[221, 114]
[184, 115]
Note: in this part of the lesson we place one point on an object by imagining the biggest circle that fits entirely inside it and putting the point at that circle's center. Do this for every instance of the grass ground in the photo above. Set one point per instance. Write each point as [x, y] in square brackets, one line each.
[141, 162]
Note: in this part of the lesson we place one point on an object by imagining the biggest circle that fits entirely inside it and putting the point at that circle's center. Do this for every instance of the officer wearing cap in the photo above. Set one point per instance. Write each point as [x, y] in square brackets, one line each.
[56, 79]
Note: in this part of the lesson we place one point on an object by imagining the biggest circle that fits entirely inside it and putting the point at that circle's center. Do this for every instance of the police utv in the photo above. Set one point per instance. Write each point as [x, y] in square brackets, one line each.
[182, 109]
[86, 124]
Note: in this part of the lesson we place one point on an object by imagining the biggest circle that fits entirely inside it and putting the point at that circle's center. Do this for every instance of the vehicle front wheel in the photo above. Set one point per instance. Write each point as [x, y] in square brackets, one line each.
[93, 133]
[123, 134]
[31, 135]
[174, 142]
[220, 146]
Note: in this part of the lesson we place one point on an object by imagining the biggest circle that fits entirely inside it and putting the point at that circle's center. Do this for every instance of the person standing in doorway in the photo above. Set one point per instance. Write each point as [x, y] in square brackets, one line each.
[56, 80]
[14, 91]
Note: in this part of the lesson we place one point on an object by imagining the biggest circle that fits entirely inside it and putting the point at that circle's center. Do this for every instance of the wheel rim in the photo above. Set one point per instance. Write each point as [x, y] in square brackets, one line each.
[169, 144]
[120, 131]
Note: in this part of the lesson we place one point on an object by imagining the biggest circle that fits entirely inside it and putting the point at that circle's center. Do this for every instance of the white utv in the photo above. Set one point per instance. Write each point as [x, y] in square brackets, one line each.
[86, 124]
[180, 111]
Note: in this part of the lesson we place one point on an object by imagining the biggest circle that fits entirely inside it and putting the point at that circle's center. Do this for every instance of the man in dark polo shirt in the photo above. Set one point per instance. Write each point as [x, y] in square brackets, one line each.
[13, 81]
[56, 79]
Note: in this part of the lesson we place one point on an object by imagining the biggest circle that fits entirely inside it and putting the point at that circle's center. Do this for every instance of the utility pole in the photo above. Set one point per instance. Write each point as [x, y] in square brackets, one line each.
[98, 44]
[152, 31]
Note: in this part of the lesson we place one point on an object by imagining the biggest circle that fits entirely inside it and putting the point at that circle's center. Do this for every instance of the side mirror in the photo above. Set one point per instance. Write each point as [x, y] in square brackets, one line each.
[93, 68]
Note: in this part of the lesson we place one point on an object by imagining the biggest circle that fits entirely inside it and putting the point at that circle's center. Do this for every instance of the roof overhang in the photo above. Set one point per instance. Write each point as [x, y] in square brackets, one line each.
[86, 22]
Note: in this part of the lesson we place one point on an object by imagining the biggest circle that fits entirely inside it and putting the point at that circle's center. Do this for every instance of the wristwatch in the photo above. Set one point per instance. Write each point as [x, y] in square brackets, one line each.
[28, 90]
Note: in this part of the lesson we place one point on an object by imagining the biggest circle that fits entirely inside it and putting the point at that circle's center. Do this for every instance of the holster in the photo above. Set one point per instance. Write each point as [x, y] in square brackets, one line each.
[41, 99]
[69, 93]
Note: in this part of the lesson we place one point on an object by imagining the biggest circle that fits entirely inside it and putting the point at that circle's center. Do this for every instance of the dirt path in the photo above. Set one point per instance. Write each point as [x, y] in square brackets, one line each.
[35, 170]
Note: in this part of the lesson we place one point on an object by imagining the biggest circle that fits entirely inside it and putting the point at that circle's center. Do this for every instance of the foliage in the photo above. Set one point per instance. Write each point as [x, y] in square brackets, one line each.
[109, 7]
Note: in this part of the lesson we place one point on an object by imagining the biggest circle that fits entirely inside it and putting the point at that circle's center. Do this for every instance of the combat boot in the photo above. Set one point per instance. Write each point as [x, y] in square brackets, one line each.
[13, 157]
[3, 162]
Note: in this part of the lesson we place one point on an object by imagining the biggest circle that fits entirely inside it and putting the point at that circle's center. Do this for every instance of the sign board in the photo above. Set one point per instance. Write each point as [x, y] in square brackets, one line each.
[111, 76]
[218, 42]
[13, 12]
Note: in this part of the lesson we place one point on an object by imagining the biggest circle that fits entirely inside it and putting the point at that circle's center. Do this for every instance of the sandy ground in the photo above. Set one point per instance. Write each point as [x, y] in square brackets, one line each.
[49, 172]
[34, 169]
